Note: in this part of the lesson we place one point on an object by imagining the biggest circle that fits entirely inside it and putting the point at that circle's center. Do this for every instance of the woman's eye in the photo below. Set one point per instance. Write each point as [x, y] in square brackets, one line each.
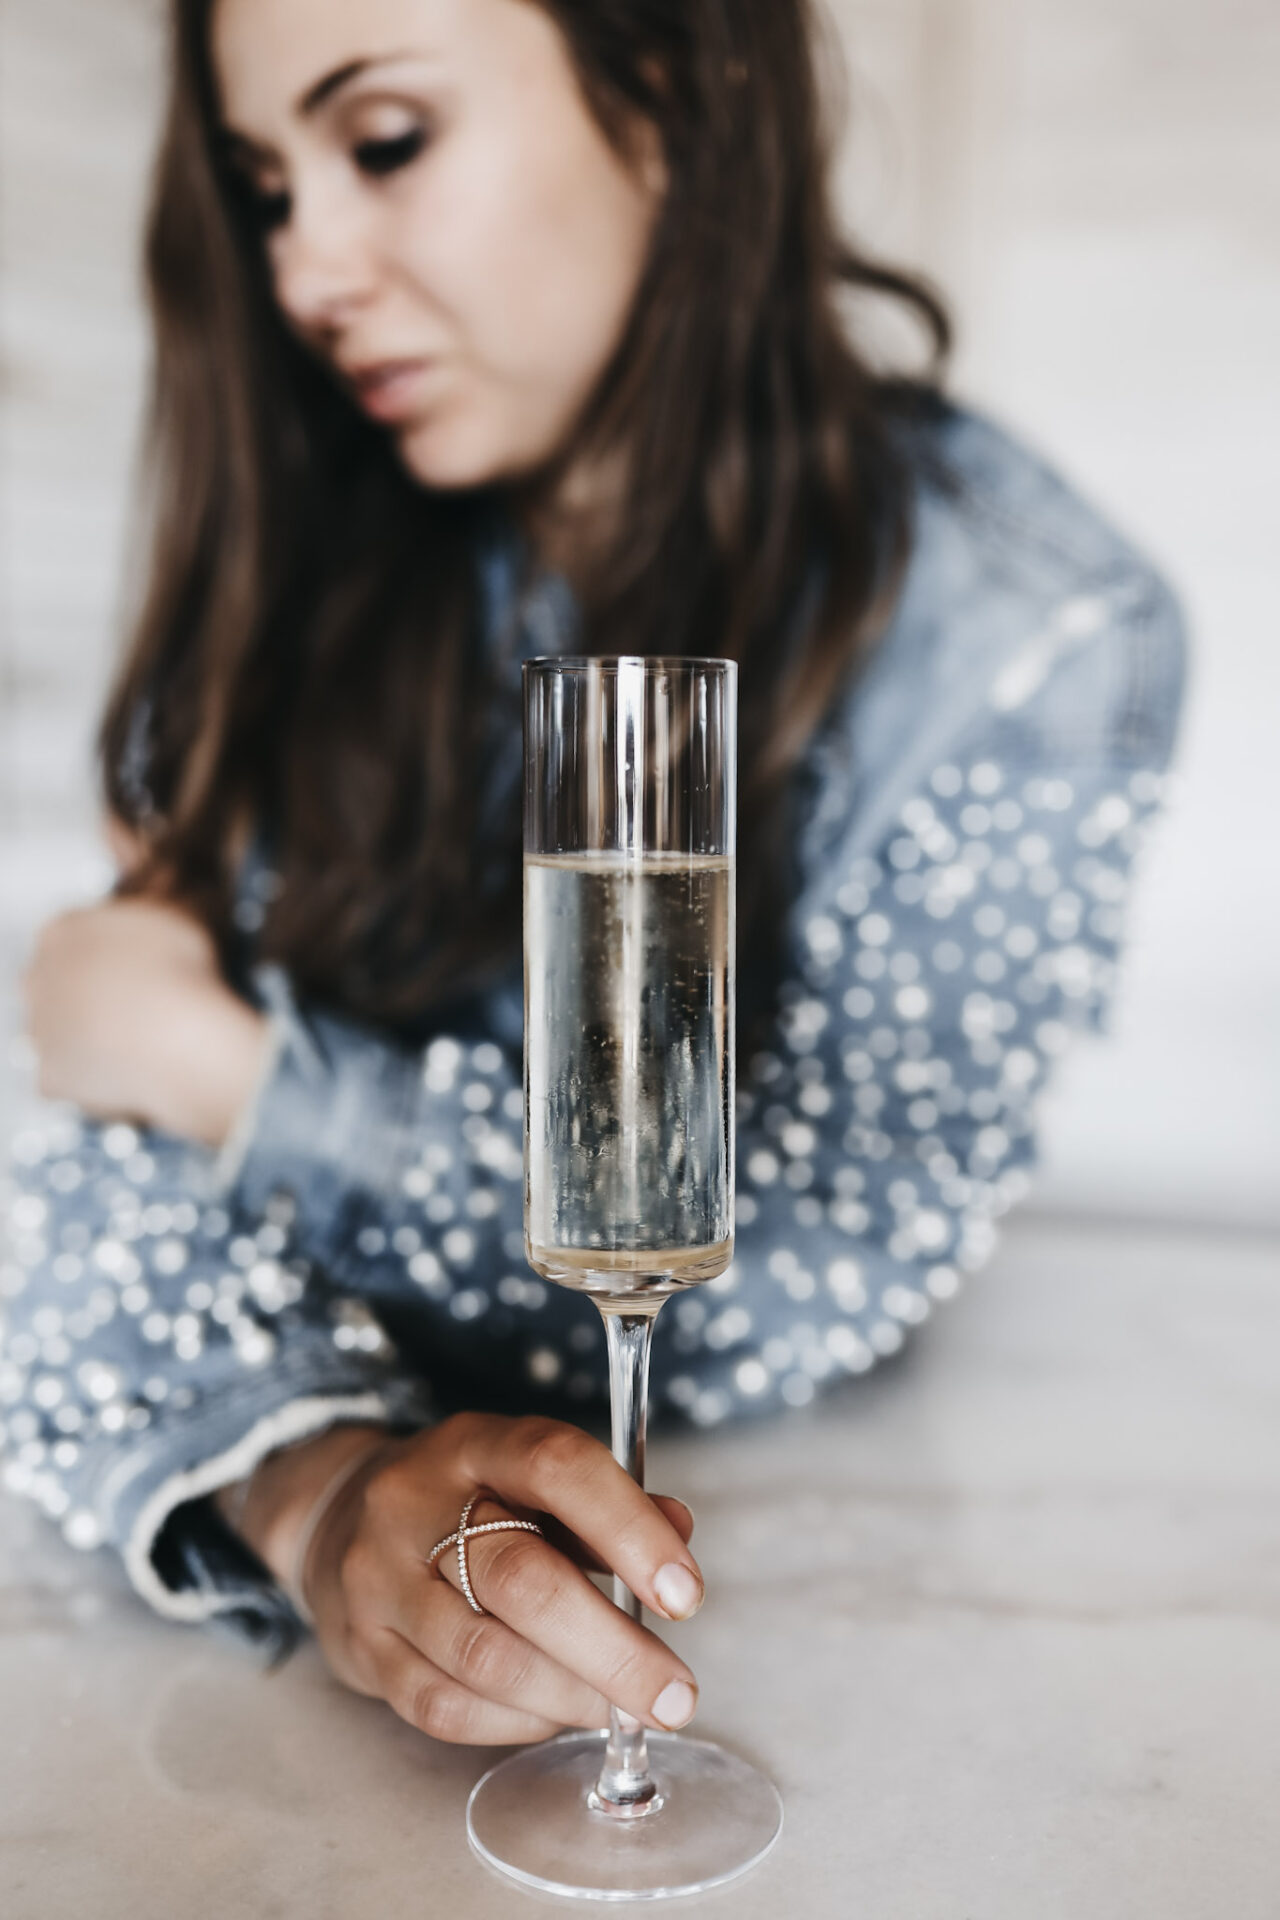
[387, 156]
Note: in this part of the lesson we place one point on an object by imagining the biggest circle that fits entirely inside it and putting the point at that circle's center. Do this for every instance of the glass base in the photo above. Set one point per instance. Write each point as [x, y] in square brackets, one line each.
[531, 1818]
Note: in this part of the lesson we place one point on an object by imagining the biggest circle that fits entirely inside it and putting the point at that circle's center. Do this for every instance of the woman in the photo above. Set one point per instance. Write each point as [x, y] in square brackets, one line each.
[484, 331]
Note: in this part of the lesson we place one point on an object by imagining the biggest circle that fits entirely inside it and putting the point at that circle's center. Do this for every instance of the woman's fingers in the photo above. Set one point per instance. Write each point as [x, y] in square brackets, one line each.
[546, 1601]
[678, 1512]
[549, 1650]
[489, 1658]
[551, 1467]
[437, 1704]
[680, 1516]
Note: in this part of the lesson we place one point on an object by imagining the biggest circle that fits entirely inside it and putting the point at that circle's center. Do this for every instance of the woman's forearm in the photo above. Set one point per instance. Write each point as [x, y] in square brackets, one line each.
[269, 1510]
[212, 1059]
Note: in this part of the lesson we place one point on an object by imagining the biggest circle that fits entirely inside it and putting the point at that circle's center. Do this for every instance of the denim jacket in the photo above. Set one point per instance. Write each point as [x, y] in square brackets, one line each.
[972, 807]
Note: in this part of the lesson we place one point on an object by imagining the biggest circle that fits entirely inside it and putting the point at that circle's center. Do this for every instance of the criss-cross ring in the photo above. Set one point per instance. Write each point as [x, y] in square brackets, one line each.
[460, 1536]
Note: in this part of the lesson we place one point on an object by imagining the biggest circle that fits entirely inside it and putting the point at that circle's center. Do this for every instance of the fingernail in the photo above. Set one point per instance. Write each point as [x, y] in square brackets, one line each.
[628, 1722]
[675, 1705]
[679, 1593]
[682, 1503]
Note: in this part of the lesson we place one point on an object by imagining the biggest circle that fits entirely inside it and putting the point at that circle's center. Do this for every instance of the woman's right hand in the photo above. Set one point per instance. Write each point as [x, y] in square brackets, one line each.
[553, 1650]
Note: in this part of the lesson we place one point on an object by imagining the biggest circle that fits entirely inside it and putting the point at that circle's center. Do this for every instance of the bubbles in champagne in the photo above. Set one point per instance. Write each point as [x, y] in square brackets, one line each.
[629, 1070]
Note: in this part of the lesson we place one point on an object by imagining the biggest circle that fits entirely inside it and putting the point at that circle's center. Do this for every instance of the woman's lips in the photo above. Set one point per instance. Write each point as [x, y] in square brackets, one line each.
[391, 391]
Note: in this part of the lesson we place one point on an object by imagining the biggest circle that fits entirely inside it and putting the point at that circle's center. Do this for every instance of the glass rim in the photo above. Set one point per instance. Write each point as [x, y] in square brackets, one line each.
[648, 662]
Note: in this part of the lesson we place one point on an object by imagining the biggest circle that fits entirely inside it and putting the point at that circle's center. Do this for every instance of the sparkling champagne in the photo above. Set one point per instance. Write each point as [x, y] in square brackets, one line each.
[629, 1071]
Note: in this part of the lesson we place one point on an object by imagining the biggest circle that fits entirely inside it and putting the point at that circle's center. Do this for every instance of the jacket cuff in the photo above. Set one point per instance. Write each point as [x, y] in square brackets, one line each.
[150, 1500]
[196, 1549]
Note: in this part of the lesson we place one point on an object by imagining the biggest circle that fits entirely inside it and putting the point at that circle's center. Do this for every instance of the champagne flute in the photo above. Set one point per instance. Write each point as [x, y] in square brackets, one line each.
[629, 826]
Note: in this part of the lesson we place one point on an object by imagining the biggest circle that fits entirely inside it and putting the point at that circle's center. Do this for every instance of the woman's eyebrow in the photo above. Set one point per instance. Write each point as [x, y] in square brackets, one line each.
[331, 83]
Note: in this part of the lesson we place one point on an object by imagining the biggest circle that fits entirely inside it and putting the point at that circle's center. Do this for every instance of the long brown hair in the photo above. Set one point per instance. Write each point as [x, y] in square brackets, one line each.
[308, 653]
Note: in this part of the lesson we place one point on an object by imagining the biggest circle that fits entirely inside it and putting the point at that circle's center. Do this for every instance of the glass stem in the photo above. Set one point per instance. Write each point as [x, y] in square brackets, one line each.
[626, 1788]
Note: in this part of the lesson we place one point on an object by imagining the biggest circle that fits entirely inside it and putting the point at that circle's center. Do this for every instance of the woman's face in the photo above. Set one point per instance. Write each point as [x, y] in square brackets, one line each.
[445, 221]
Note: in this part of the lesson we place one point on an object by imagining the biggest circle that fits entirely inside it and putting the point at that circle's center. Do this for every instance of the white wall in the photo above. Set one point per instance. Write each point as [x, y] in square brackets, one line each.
[1097, 185]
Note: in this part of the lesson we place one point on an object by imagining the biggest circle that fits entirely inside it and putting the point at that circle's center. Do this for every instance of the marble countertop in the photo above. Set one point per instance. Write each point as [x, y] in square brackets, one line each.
[1002, 1621]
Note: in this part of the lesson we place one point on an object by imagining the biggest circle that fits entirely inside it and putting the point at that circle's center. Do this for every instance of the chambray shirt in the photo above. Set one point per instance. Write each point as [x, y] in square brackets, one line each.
[969, 816]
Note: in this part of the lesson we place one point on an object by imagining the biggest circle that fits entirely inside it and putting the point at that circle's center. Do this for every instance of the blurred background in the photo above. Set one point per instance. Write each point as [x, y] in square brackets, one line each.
[1096, 186]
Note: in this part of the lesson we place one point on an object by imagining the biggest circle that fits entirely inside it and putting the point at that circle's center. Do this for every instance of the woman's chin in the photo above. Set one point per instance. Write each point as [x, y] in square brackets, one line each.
[449, 459]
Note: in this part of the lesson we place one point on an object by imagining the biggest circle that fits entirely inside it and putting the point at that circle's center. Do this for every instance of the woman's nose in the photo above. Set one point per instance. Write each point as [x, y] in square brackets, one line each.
[322, 268]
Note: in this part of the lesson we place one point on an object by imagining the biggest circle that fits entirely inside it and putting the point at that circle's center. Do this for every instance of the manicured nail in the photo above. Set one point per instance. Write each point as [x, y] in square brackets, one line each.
[675, 1705]
[679, 1593]
[682, 1503]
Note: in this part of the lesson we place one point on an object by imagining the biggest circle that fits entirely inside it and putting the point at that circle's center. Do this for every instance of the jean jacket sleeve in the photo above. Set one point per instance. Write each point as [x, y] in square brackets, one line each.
[155, 1343]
